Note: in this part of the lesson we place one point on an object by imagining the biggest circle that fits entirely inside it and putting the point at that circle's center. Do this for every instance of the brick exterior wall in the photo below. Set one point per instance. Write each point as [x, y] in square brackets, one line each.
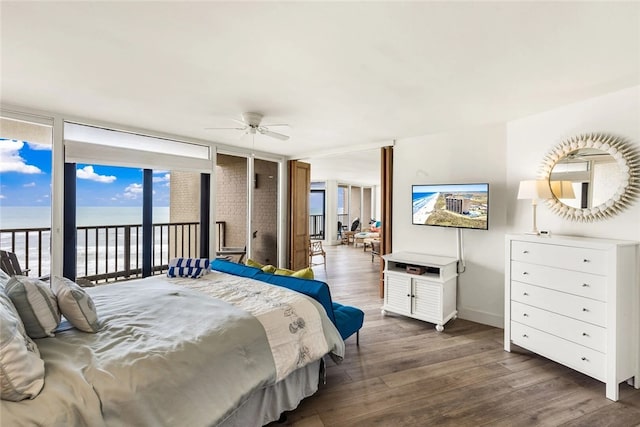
[184, 206]
[265, 218]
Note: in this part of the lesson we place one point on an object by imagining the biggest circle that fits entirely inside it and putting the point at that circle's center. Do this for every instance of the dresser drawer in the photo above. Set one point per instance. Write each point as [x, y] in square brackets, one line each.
[567, 257]
[583, 284]
[573, 355]
[580, 308]
[583, 333]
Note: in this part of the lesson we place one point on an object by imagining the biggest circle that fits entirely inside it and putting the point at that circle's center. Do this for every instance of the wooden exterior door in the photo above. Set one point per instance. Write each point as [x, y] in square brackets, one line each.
[299, 190]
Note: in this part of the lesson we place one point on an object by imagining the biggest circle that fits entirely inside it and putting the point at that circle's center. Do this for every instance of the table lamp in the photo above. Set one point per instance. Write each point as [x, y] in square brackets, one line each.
[534, 190]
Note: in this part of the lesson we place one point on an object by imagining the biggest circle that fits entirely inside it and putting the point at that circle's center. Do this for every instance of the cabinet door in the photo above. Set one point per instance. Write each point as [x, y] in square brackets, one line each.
[427, 300]
[398, 293]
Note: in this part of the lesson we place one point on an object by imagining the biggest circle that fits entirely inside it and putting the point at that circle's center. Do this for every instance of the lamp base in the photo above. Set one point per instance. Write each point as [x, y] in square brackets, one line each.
[533, 233]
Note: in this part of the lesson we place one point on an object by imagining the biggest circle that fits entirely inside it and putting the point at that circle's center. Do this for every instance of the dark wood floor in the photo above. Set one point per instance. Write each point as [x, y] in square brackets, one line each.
[404, 373]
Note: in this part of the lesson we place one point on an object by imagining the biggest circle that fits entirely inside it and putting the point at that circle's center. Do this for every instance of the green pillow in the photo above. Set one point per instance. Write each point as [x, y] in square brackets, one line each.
[269, 268]
[284, 272]
[305, 273]
[252, 263]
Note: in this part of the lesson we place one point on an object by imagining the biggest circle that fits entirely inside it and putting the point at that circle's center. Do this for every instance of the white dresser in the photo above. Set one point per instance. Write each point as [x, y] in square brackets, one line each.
[576, 300]
[429, 296]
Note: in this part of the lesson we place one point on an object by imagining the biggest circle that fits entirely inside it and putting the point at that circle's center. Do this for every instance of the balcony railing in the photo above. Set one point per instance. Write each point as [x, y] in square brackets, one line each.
[316, 226]
[108, 252]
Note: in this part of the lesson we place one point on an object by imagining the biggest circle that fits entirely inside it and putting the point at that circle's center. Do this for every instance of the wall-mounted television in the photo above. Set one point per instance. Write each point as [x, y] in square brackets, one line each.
[451, 205]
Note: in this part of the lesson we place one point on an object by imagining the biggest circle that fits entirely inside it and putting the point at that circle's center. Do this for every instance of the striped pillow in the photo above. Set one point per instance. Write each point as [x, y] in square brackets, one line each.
[36, 305]
[75, 304]
[188, 267]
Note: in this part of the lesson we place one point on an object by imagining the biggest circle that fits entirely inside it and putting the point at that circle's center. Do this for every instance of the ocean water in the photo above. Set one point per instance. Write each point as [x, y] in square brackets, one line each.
[100, 252]
[39, 216]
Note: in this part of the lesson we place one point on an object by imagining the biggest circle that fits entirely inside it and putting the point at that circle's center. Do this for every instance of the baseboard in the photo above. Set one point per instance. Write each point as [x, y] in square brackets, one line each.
[483, 317]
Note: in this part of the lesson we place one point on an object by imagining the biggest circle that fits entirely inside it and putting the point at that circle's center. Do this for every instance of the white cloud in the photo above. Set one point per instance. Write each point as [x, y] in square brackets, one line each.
[132, 191]
[40, 145]
[31, 184]
[10, 160]
[165, 178]
[88, 173]
[1, 196]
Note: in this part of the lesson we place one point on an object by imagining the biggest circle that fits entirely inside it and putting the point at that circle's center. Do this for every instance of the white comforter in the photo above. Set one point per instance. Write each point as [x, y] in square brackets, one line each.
[168, 355]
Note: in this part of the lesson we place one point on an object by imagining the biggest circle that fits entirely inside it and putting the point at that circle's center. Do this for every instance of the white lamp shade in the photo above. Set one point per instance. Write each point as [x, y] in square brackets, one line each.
[534, 189]
[563, 189]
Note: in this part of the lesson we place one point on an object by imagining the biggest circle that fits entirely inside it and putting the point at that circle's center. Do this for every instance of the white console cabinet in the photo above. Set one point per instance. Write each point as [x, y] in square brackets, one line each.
[430, 296]
[575, 300]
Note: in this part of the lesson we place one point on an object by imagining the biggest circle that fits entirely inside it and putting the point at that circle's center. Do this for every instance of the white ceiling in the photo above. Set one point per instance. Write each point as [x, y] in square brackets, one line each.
[343, 75]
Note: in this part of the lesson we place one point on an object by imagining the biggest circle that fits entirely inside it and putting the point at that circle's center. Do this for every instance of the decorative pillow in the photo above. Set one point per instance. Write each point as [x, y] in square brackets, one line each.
[75, 304]
[252, 263]
[188, 267]
[21, 369]
[305, 273]
[269, 268]
[36, 305]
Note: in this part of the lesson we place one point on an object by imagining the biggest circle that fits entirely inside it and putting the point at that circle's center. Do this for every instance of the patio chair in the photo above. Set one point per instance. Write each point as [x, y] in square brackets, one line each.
[10, 264]
[316, 249]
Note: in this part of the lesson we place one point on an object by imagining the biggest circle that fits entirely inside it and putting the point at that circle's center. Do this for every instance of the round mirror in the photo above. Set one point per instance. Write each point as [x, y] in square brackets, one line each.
[591, 177]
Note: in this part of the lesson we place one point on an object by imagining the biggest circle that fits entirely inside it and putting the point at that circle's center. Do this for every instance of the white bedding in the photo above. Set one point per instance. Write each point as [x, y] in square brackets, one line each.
[169, 355]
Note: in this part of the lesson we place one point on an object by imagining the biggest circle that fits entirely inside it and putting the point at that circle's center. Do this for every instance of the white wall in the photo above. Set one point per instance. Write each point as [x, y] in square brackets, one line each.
[530, 138]
[503, 155]
[467, 156]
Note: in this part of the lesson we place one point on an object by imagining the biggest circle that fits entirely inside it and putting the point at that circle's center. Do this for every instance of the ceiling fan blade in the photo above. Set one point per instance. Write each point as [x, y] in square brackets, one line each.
[276, 135]
[244, 128]
[268, 125]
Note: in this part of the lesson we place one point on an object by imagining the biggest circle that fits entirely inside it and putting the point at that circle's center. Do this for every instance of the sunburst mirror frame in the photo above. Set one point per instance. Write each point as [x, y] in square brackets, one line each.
[628, 160]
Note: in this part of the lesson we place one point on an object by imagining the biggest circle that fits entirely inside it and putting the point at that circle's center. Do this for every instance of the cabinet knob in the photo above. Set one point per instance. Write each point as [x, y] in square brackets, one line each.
[408, 295]
[585, 309]
[413, 296]
[525, 252]
[584, 334]
[585, 285]
[525, 336]
[525, 315]
[525, 294]
[524, 273]
[586, 260]
[584, 359]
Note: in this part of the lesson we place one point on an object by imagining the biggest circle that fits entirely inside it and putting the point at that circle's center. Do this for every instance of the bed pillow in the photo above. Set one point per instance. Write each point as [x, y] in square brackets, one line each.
[305, 273]
[21, 368]
[188, 267]
[75, 304]
[269, 268]
[252, 263]
[36, 305]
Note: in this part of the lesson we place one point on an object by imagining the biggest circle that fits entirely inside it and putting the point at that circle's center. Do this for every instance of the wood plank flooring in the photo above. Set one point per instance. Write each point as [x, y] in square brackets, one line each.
[404, 373]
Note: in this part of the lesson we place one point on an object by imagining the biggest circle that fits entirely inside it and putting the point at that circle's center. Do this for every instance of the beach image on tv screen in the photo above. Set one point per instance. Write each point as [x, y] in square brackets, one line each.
[459, 205]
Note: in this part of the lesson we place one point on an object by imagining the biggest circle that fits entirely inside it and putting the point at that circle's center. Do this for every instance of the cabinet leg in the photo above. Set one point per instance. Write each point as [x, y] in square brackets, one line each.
[383, 312]
[439, 328]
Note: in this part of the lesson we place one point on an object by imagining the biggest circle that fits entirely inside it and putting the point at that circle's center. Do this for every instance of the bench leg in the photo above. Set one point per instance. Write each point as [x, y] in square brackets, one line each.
[358, 338]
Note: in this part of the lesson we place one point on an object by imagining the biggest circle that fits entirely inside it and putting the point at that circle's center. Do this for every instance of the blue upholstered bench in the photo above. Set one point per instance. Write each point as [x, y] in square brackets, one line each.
[348, 320]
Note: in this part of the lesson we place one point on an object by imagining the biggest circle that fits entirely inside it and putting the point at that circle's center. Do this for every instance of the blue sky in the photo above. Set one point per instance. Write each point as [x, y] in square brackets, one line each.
[25, 180]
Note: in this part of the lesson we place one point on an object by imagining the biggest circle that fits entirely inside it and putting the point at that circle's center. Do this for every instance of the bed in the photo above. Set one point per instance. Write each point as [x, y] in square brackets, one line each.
[218, 350]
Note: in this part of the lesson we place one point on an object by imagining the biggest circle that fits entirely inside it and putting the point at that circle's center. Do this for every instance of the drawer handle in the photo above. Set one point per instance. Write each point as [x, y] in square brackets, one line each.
[585, 309]
[586, 260]
[584, 359]
[584, 334]
[585, 285]
[525, 315]
[525, 294]
[525, 336]
[524, 273]
[525, 252]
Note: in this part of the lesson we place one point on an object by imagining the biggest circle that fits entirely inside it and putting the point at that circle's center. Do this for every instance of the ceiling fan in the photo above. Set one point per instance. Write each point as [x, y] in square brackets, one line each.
[251, 125]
